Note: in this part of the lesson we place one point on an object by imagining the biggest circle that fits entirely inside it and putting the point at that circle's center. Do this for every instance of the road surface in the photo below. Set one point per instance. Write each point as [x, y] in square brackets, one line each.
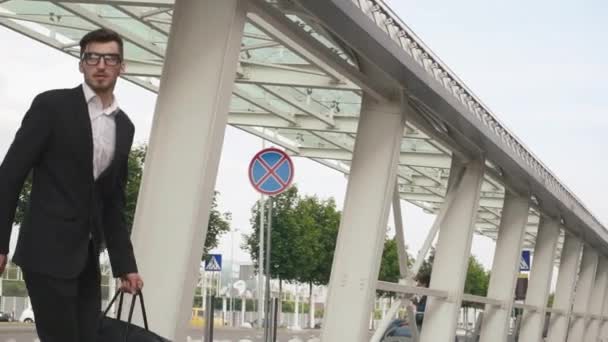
[26, 333]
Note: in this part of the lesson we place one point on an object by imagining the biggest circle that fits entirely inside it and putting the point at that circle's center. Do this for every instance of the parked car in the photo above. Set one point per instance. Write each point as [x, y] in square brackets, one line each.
[27, 316]
[6, 317]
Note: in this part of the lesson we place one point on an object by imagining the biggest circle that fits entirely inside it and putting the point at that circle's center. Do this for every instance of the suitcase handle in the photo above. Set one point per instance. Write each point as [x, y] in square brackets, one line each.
[131, 309]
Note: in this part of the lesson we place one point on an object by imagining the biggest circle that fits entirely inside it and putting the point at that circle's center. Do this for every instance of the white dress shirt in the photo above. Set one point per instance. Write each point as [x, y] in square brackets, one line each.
[104, 130]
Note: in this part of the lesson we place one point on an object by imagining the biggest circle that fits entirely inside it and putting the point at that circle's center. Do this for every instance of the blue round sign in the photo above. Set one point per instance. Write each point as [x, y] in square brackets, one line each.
[271, 171]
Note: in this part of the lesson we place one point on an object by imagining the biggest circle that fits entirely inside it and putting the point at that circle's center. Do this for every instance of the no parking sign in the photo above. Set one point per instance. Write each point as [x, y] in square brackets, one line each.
[271, 171]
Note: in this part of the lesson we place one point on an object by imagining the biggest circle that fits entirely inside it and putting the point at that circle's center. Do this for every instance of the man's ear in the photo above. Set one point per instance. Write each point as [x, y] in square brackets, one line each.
[123, 67]
[80, 68]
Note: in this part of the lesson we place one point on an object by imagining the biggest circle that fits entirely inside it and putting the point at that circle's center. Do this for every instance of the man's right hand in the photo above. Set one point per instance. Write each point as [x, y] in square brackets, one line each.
[3, 259]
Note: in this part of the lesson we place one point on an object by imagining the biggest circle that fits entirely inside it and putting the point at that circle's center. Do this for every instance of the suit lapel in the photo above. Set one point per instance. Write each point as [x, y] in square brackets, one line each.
[83, 130]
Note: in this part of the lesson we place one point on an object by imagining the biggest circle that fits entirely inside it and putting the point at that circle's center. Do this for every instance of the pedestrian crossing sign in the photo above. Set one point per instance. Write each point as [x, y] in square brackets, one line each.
[213, 263]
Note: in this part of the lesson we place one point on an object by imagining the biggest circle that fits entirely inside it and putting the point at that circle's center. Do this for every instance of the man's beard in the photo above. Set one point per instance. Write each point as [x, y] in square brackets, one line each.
[101, 88]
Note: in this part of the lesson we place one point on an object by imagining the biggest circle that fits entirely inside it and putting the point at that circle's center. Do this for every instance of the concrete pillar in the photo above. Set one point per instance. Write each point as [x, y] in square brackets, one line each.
[603, 326]
[495, 326]
[598, 293]
[564, 290]
[545, 250]
[183, 156]
[582, 295]
[452, 256]
[356, 264]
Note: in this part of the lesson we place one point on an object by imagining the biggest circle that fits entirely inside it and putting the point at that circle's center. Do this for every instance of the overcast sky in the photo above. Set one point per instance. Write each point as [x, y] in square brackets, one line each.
[539, 65]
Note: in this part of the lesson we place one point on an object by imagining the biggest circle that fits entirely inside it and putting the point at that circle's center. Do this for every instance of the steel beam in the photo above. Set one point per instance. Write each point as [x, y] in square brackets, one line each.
[125, 34]
[453, 182]
[452, 256]
[191, 109]
[371, 183]
[432, 160]
[495, 326]
[564, 291]
[399, 233]
[533, 321]
[275, 24]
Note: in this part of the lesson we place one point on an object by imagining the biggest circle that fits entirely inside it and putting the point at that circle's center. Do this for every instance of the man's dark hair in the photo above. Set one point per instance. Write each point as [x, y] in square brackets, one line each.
[101, 35]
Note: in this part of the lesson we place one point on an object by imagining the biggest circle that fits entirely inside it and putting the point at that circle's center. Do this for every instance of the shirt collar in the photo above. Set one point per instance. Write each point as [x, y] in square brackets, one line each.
[90, 95]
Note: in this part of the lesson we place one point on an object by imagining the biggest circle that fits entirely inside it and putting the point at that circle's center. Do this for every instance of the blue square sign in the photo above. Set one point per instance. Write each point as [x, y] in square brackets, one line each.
[213, 263]
[524, 262]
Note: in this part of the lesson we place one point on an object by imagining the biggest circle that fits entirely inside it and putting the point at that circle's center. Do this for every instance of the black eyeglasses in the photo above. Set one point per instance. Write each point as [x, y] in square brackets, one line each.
[92, 58]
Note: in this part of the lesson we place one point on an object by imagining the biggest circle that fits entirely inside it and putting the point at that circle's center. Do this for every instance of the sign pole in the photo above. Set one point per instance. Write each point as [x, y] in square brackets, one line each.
[270, 173]
[261, 272]
[267, 332]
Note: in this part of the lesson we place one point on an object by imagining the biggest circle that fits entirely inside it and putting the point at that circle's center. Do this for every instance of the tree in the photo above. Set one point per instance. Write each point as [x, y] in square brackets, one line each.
[285, 242]
[424, 273]
[389, 267]
[477, 278]
[304, 233]
[319, 222]
[218, 222]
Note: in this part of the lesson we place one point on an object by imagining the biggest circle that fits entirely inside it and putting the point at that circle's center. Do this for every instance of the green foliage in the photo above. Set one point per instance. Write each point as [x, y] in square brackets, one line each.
[319, 222]
[304, 232]
[477, 278]
[389, 268]
[219, 223]
[136, 161]
[424, 273]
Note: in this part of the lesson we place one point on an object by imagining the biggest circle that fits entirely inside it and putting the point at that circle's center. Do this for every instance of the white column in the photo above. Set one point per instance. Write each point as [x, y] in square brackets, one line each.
[371, 182]
[603, 329]
[495, 326]
[598, 292]
[582, 295]
[183, 156]
[243, 309]
[564, 290]
[452, 256]
[545, 250]
[297, 313]
[224, 310]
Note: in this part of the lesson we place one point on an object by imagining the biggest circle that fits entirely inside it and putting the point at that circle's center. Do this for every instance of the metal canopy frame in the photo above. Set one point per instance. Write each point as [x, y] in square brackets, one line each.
[300, 87]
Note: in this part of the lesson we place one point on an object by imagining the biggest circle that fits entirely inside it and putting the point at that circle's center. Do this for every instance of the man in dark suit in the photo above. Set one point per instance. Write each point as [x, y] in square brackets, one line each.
[76, 143]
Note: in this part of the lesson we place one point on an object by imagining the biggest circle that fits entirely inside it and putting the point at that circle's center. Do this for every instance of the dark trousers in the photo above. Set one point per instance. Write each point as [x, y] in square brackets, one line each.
[67, 310]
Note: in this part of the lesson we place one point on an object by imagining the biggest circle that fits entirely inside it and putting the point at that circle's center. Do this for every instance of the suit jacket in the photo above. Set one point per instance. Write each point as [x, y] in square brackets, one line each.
[67, 205]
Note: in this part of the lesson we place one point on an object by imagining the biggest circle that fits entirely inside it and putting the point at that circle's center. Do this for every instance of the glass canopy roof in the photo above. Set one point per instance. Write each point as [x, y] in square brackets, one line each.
[280, 94]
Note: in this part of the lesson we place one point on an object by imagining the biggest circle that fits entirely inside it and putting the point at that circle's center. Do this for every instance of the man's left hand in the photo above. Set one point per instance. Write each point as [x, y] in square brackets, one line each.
[131, 283]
